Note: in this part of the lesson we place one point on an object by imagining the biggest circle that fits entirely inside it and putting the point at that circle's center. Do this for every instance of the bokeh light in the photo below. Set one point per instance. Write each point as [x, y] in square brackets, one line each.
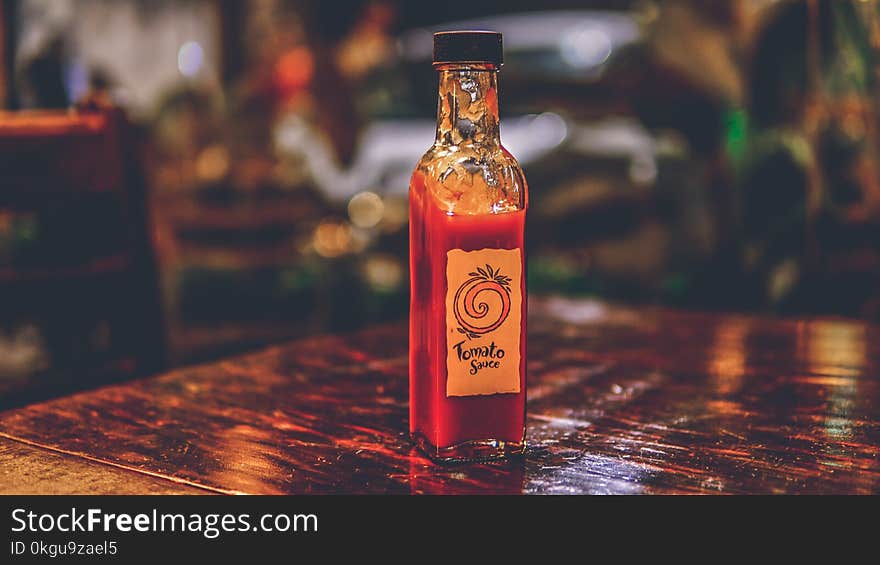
[366, 209]
[384, 272]
[332, 238]
[190, 57]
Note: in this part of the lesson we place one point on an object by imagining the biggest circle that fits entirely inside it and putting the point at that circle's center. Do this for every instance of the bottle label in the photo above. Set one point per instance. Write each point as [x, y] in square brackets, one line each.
[483, 321]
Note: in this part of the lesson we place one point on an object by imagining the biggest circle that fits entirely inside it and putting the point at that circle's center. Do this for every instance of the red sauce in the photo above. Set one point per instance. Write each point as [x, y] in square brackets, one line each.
[445, 421]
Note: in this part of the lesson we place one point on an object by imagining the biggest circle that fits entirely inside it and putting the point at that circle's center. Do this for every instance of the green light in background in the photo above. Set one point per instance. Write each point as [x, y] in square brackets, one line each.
[736, 126]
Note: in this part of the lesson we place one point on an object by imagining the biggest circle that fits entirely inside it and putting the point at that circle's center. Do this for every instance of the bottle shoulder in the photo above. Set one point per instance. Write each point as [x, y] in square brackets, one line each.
[472, 179]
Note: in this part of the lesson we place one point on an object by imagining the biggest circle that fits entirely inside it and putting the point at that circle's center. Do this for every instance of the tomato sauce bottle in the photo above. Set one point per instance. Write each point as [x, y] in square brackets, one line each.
[468, 200]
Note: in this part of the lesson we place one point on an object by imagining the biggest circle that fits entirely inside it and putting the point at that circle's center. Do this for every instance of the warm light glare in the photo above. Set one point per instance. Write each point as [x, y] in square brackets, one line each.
[384, 272]
[837, 354]
[332, 239]
[294, 69]
[836, 348]
[212, 163]
[366, 209]
[727, 361]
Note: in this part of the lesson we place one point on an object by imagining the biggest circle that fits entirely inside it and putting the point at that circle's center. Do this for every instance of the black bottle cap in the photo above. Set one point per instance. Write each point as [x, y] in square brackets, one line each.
[468, 47]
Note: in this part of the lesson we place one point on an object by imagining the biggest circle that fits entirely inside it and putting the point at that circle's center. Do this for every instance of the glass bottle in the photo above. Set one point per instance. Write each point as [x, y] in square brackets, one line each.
[468, 200]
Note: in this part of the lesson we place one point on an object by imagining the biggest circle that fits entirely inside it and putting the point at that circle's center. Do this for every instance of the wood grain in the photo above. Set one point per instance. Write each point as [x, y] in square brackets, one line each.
[25, 469]
[621, 400]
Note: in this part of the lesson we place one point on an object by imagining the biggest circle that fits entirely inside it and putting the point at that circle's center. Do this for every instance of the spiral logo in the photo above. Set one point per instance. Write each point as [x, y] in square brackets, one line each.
[471, 305]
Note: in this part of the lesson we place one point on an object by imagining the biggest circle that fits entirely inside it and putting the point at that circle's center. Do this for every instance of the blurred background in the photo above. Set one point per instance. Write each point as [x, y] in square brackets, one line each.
[235, 173]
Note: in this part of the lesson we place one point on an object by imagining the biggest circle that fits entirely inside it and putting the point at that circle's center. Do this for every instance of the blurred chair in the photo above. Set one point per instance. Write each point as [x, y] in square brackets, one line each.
[79, 302]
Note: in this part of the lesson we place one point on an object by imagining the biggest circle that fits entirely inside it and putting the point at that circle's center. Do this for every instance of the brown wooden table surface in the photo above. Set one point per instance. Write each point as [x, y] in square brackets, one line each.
[621, 400]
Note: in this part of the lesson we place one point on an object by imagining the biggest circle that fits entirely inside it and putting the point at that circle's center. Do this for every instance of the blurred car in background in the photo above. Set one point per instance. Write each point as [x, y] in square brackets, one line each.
[563, 52]
[567, 87]
[594, 170]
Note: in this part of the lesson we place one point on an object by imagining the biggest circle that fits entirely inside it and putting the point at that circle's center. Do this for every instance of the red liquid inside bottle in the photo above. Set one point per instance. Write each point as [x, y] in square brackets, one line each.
[467, 268]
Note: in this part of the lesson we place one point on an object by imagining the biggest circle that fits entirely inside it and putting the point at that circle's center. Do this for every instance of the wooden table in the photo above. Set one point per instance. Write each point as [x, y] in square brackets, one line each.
[621, 400]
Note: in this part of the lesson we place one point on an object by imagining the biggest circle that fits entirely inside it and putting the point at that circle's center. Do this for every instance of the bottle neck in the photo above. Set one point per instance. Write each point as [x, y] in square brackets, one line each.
[467, 107]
